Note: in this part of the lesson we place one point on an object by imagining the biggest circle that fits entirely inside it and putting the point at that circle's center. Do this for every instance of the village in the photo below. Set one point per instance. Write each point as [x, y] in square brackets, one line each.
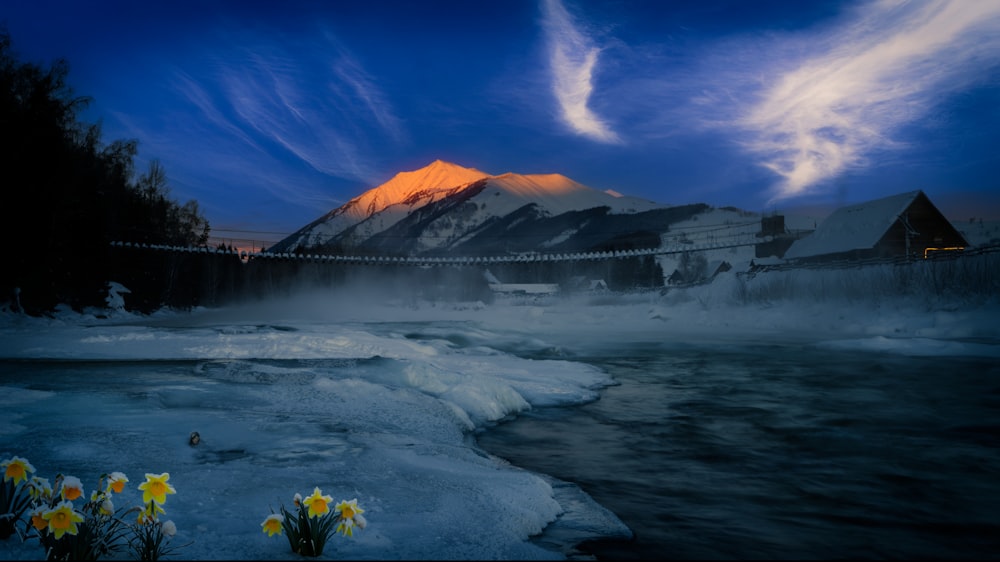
[897, 229]
[906, 228]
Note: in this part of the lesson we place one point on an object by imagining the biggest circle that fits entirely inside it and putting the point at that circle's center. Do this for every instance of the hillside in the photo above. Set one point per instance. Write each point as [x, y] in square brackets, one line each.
[444, 207]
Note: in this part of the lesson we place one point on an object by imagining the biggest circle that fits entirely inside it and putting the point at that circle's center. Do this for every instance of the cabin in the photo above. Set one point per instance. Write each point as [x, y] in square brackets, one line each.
[582, 283]
[525, 288]
[499, 287]
[706, 275]
[904, 225]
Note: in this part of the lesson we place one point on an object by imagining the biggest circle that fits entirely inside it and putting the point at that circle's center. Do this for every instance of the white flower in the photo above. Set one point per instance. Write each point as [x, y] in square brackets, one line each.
[169, 528]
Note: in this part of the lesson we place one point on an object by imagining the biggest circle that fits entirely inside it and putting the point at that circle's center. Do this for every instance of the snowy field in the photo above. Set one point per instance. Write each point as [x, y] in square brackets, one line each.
[380, 401]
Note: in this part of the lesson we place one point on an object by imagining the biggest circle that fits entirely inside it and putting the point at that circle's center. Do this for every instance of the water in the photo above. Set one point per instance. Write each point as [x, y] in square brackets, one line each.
[714, 448]
[779, 452]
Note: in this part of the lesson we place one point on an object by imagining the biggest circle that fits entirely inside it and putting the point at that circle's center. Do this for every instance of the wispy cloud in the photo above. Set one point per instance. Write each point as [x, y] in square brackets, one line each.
[269, 119]
[884, 68]
[572, 60]
[326, 119]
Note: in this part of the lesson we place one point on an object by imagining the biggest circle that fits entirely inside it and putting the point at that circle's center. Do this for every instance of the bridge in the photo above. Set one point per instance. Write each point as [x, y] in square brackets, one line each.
[670, 244]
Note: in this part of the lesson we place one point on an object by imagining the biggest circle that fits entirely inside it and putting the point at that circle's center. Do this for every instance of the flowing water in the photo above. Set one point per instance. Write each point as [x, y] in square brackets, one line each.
[779, 452]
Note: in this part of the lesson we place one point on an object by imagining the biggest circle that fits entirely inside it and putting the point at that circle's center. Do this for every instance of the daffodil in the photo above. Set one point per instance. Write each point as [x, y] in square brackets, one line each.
[62, 519]
[116, 482]
[169, 528]
[39, 487]
[317, 503]
[348, 509]
[151, 511]
[16, 468]
[350, 517]
[107, 507]
[346, 527]
[72, 488]
[297, 500]
[37, 521]
[155, 488]
[273, 524]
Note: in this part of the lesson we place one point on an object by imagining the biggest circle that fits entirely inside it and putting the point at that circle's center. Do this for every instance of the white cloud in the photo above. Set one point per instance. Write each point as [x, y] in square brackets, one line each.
[572, 59]
[886, 67]
[324, 120]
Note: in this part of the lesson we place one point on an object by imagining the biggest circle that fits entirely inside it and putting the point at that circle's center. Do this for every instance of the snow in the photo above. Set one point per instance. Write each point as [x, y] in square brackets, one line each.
[376, 400]
[381, 207]
[855, 227]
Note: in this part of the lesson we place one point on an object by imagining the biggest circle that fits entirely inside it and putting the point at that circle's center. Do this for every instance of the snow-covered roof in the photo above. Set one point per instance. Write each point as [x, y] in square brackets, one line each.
[528, 288]
[855, 227]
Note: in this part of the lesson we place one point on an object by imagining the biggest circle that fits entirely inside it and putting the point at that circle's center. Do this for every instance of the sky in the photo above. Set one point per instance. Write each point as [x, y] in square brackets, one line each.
[272, 114]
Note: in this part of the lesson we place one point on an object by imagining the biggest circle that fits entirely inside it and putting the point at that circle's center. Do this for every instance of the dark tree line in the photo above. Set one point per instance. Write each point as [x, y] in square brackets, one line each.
[67, 195]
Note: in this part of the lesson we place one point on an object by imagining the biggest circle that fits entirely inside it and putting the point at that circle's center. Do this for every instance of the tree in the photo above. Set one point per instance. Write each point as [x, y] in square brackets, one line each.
[693, 266]
[67, 195]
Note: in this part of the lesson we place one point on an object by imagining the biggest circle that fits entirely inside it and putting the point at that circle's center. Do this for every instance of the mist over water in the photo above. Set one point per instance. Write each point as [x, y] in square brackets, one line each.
[779, 451]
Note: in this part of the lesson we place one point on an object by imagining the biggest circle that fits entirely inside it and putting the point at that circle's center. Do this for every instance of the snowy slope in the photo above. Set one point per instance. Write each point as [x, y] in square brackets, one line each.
[404, 191]
[441, 193]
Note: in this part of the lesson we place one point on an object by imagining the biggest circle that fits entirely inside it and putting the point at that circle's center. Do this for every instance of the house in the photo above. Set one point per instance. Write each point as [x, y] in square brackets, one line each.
[904, 225]
[525, 288]
[583, 283]
[499, 287]
[696, 275]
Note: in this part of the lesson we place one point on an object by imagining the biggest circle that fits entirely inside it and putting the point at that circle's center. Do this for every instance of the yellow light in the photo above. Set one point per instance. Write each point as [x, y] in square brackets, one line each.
[948, 249]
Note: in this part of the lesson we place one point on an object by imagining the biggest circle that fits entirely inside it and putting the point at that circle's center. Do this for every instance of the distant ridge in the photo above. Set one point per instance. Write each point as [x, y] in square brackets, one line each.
[443, 205]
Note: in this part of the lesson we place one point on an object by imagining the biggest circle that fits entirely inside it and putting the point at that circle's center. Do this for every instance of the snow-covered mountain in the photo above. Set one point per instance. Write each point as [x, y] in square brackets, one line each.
[445, 208]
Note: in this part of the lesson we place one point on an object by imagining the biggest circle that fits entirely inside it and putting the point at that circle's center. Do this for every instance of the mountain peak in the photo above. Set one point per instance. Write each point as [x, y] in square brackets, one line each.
[435, 176]
[438, 176]
[424, 194]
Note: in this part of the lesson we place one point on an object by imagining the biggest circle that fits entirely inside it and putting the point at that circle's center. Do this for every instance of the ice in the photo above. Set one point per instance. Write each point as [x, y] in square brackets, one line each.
[361, 410]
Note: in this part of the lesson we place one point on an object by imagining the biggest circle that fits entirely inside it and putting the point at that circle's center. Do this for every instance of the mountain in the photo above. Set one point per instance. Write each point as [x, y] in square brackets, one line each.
[444, 208]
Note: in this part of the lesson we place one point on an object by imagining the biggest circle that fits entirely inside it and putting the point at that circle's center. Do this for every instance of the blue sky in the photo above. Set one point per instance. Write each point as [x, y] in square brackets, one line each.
[273, 113]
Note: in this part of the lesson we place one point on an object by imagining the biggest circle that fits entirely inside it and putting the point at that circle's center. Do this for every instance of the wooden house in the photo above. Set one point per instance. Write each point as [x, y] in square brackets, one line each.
[904, 225]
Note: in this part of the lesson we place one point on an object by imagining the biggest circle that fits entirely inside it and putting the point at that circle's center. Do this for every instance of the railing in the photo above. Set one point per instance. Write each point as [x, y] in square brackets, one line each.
[538, 257]
[860, 263]
[526, 257]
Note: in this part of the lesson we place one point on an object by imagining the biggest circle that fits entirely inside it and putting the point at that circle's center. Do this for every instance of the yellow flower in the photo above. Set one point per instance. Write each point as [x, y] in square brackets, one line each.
[152, 509]
[37, 521]
[107, 507]
[72, 488]
[149, 513]
[348, 509]
[350, 517]
[346, 527]
[156, 488]
[39, 488]
[272, 525]
[317, 503]
[62, 519]
[16, 468]
[116, 482]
